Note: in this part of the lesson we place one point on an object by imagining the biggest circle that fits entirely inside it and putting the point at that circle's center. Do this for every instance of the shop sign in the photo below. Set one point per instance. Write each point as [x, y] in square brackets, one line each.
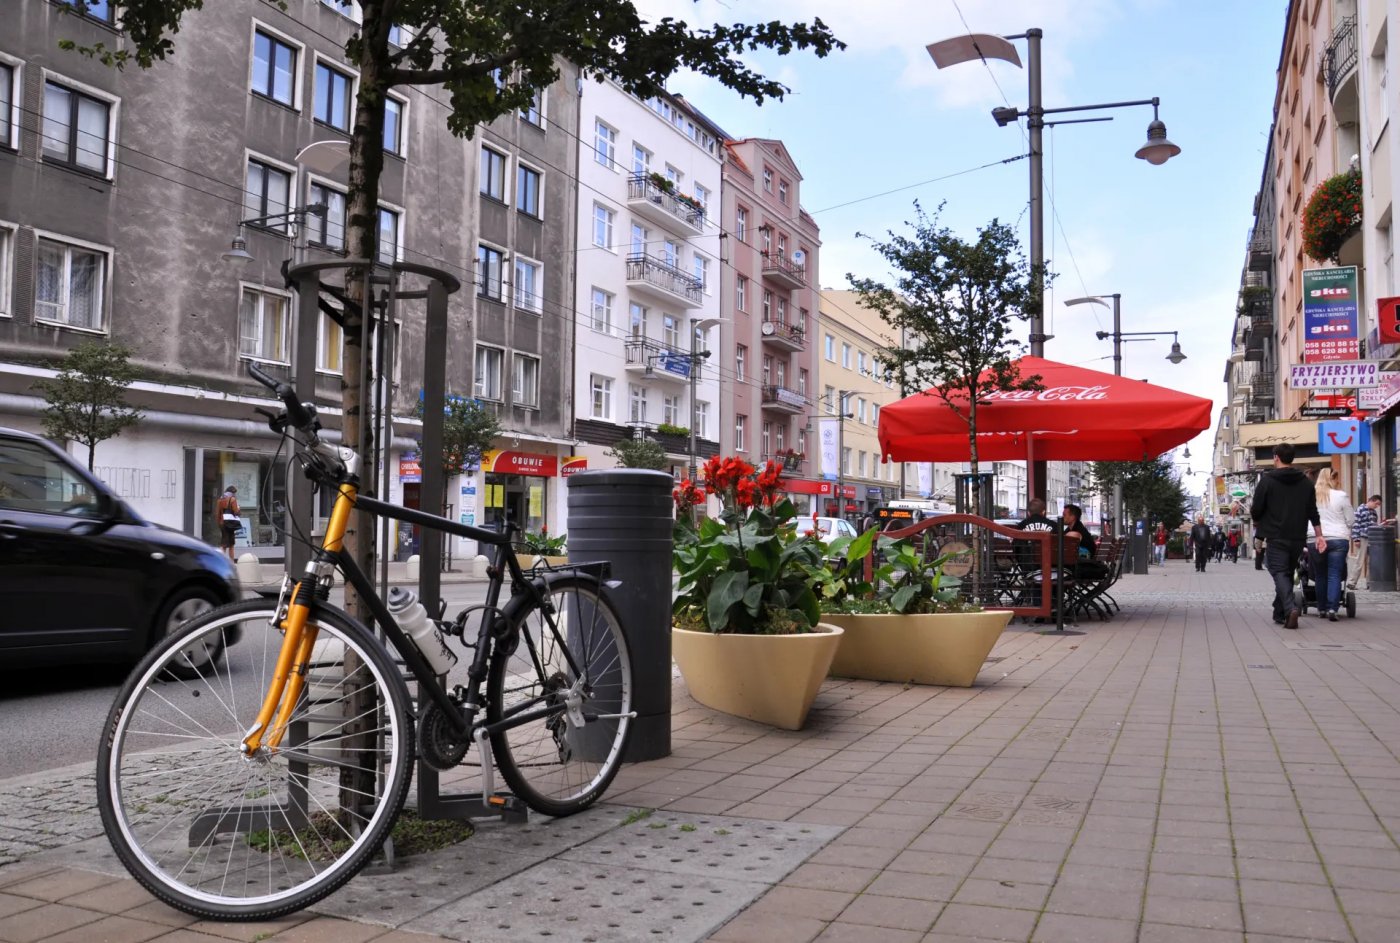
[1388, 320]
[502, 462]
[1268, 434]
[1330, 309]
[1339, 375]
[1349, 437]
[573, 464]
[1336, 400]
[409, 468]
[803, 486]
[1389, 393]
[1324, 412]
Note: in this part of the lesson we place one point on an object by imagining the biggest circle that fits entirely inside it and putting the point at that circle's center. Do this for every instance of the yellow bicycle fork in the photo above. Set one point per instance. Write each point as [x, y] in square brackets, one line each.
[298, 643]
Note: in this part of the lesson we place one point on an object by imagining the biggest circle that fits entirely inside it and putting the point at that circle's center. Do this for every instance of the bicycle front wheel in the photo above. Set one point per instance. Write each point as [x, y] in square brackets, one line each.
[561, 762]
[223, 835]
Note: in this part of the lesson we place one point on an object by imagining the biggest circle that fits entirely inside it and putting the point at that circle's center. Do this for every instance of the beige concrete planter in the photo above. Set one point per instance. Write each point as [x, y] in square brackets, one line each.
[772, 679]
[527, 560]
[945, 648]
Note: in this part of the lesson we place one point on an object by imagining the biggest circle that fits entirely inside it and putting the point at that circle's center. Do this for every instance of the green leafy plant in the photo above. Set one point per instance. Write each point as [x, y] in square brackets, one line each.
[543, 543]
[749, 572]
[1332, 215]
[639, 453]
[904, 581]
[86, 401]
[667, 428]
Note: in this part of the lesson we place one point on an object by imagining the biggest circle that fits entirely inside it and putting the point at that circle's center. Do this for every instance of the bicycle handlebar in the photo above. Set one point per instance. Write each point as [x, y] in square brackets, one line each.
[297, 412]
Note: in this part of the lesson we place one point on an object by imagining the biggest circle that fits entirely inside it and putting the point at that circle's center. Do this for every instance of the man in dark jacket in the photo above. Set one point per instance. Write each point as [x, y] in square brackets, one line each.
[1283, 507]
[1201, 540]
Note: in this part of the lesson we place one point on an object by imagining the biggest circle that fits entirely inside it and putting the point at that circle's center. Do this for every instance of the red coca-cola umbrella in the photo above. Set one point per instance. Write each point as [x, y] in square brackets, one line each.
[1077, 415]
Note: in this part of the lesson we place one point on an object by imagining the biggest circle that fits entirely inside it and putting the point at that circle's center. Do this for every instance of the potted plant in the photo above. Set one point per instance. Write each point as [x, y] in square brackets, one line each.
[1332, 216]
[906, 622]
[791, 459]
[746, 633]
[542, 546]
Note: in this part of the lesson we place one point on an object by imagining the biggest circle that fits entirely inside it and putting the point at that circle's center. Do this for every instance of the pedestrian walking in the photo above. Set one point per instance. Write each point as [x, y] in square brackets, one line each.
[1335, 511]
[1233, 542]
[1201, 541]
[1159, 544]
[1284, 505]
[227, 512]
[1219, 545]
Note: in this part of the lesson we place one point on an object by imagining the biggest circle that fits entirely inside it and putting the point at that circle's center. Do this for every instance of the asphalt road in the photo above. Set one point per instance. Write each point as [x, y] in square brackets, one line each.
[53, 718]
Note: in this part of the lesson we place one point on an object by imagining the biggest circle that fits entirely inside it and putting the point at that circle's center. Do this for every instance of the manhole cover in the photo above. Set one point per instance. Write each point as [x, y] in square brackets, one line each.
[1335, 646]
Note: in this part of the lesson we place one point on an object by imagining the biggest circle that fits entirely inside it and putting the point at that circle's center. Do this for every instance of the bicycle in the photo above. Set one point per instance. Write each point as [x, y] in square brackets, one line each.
[246, 781]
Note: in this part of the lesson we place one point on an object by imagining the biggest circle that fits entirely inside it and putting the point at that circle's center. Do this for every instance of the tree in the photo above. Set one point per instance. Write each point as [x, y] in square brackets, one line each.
[87, 400]
[468, 429]
[639, 453]
[1150, 490]
[953, 307]
[491, 57]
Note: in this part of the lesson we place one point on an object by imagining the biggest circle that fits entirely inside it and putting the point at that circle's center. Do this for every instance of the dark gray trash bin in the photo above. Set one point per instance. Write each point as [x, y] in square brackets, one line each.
[624, 516]
[1140, 547]
[1380, 548]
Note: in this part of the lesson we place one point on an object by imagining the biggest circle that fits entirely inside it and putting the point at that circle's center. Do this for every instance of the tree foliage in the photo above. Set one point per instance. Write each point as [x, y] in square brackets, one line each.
[1150, 489]
[87, 400]
[953, 308]
[468, 429]
[639, 453]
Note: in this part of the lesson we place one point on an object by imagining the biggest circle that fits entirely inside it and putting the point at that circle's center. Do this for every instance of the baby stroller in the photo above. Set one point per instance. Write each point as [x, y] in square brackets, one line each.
[1311, 572]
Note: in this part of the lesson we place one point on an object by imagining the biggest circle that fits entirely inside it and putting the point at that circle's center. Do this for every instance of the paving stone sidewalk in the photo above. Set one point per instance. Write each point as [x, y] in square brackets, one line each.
[1185, 772]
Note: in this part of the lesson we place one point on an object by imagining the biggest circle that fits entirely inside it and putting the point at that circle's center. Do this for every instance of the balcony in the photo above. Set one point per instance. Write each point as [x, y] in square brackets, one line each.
[1340, 59]
[783, 400]
[1261, 247]
[783, 271]
[664, 281]
[651, 359]
[789, 461]
[653, 202]
[784, 336]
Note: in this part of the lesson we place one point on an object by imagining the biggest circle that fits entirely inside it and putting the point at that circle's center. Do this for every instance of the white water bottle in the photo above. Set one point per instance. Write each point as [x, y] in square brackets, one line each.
[412, 617]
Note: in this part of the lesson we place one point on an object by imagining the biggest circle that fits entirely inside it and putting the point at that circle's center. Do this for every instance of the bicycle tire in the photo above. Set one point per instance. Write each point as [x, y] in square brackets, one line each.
[554, 766]
[219, 835]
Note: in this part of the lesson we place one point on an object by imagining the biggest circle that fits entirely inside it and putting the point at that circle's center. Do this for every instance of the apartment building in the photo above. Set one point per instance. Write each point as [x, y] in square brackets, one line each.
[769, 284]
[121, 190]
[649, 281]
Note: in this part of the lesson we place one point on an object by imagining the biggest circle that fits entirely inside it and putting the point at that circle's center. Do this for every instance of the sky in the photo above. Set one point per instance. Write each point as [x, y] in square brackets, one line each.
[1170, 239]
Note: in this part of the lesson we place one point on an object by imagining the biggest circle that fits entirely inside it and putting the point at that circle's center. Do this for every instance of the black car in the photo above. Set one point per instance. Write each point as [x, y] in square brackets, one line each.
[83, 577]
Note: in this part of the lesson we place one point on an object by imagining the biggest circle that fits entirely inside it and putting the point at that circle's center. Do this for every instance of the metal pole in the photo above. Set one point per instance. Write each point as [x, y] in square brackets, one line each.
[1118, 528]
[1035, 120]
[694, 389]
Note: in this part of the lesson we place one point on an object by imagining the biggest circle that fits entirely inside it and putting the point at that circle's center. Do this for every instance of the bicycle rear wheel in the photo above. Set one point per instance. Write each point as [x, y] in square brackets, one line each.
[556, 765]
[222, 835]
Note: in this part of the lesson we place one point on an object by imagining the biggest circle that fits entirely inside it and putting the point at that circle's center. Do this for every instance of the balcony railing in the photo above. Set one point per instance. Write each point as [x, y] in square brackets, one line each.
[789, 336]
[656, 272]
[1261, 247]
[782, 397]
[644, 190]
[1342, 54]
[787, 461]
[656, 357]
[784, 270]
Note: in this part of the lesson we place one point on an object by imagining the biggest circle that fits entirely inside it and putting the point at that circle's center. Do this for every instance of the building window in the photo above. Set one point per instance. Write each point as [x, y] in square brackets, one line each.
[493, 174]
[641, 159]
[329, 230]
[802, 380]
[767, 305]
[529, 284]
[330, 343]
[488, 272]
[765, 444]
[874, 414]
[846, 460]
[393, 125]
[9, 113]
[76, 128]
[637, 320]
[739, 423]
[829, 348]
[845, 355]
[602, 311]
[741, 224]
[601, 396]
[346, 8]
[671, 410]
[70, 285]
[767, 180]
[265, 193]
[671, 331]
[741, 293]
[604, 220]
[767, 369]
[702, 272]
[741, 356]
[829, 400]
[861, 462]
[332, 97]
[527, 190]
[274, 68]
[782, 191]
[487, 382]
[765, 240]
[702, 419]
[387, 237]
[604, 145]
[262, 325]
[702, 196]
[860, 362]
[525, 381]
[7, 256]
[534, 112]
[97, 9]
[636, 404]
[860, 408]
[671, 252]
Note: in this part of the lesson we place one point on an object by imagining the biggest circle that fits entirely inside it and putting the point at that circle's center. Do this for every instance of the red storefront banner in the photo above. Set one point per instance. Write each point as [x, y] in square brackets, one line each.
[520, 463]
[802, 486]
[573, 464]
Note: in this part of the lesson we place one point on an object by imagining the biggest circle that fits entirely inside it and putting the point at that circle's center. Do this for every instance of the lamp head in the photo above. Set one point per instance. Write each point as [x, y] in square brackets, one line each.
[1176, 356]
[1158, 150]
[1005, 116]
[238, 251]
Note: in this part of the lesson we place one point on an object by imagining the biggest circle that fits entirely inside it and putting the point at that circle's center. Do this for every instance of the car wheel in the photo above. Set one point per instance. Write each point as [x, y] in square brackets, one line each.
[187, 603]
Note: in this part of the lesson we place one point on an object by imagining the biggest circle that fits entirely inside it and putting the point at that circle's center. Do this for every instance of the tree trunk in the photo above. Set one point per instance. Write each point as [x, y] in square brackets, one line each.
[980, 567]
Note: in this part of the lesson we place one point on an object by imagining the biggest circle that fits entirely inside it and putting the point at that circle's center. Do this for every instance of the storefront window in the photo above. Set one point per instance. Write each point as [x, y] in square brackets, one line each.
[262, 496]
[518, 499]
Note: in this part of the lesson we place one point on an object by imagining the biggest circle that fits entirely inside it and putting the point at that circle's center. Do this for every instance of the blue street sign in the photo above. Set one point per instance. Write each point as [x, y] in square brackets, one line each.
[1343, 437]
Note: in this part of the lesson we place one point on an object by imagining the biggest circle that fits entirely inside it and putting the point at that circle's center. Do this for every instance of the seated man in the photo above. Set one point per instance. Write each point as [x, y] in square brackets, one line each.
[1028, 552]
[1085, 566]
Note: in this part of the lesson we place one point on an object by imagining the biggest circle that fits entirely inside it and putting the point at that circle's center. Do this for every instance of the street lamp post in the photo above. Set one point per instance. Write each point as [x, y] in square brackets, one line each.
[841, 452]
[1157, 150]
[697, 357]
